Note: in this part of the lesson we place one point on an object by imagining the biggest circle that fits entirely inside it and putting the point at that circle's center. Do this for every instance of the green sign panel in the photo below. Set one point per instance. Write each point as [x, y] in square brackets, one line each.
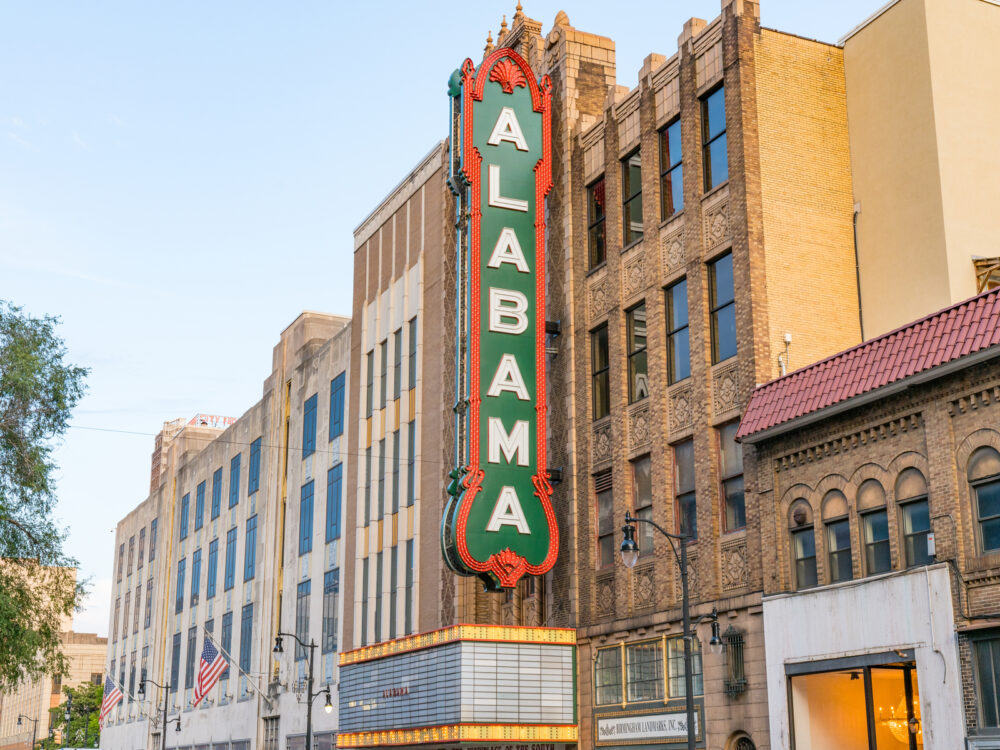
[499, 522]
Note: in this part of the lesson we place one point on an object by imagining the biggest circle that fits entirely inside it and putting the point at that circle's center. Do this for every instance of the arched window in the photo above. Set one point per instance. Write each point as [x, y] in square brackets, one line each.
[803, 544]
[838, 536]
[911, 494]
[875, 523]
[984, 480]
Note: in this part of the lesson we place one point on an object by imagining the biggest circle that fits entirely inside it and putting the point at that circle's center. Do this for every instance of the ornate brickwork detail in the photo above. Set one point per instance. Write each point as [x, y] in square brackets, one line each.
[717, 225]
[529, 608]
[734, 565]
[725, 389]
[508, 614]
[605, 595]
[600, 299]
[844, 443]
[638, 425]
[680, 408]
[633, 274]
[672, 250]
[975, 400]
[643, 588]
[601, 444]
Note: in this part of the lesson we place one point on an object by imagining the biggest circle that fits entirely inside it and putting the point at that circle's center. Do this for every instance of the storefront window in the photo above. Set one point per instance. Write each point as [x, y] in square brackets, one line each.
[608, 676]
[675, 667]
[644, 671]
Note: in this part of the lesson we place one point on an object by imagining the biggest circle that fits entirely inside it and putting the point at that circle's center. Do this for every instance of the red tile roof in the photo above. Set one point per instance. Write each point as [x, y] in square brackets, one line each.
[958, 331]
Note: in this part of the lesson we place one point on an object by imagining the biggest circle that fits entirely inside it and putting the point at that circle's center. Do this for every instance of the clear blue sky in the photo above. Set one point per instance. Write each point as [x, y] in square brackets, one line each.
[179, 180]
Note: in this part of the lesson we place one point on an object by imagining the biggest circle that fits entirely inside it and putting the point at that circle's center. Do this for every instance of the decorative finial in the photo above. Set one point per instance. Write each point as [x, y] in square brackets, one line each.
[503, 30]
[489, 42]
[518, 13]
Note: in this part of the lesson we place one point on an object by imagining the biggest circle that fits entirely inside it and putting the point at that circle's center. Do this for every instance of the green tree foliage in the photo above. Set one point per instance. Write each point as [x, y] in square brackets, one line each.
[83, 729]
[38, 587]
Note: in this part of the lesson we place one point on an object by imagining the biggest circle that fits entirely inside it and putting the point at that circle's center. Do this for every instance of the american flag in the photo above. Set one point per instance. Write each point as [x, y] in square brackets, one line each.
[112, 694]
[212, 664]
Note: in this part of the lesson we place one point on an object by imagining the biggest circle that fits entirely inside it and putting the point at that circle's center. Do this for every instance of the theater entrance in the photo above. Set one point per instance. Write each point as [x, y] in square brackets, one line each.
[866, 703]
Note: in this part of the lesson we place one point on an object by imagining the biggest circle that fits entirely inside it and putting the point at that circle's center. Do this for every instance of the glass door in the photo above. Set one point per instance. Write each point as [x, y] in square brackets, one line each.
[896, 708]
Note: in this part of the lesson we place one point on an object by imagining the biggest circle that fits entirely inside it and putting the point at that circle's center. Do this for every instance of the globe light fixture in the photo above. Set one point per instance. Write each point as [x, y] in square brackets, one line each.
[629, 548]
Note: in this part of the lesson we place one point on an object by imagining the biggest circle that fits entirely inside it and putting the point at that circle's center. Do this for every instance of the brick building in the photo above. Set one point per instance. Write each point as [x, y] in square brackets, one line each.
[877, 478]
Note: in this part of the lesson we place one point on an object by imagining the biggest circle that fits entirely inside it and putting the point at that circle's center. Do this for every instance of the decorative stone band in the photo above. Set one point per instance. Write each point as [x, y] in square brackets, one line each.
[493, 633]
[463, 733]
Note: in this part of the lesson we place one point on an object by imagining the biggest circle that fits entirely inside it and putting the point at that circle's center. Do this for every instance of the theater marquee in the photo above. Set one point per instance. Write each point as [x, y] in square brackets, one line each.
[499, 523]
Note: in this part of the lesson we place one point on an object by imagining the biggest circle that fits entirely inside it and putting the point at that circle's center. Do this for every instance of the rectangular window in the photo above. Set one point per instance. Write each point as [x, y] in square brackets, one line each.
[302, 618]
[334, 480]
[370, 383]
[331, 593]
[411, 463]
[185, 516]
[412, 359]
[393, 578]
[378, 597]
[877, 556]
[397, 363]
[408, 601]
[731, 471]
[986, 659]
[135, 616]
[671, 171]
[642, 499]
[230, 579]
[395, 472]
[838, 540]
[595, 223]
[234, 480]
[246, 637]
[250, 550]
[722, 302]
[383, 380]
[608, 676]
[687, 514]
[804, 547]
[368, 485]
[227, 641]
[131, 553]
[142, 547]
[142, 664]
[309, 427]
[638, 366]
[253, 475]
[675, 668]
[306, 518]
[192, 648]
[631, 198]
[364, 601]
[713, 138]
[195, 576]
[599, 371]
[605, 519]
[179, 601]
[678, 335]
[199, 506]
[916, 526]
[121, 561]
[149, 604]
[213, 568]
[131, 677]
[337, 406]
[381, 478]
[216, 493]
[175, 662]
[152, 539]
[118, 611]
[128, 598]
[644, 671]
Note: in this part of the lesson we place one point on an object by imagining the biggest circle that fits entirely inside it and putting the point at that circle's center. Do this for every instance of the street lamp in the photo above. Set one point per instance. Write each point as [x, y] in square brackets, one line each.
[630, 556]
[34, 730]
[166, 694]
[280, 649]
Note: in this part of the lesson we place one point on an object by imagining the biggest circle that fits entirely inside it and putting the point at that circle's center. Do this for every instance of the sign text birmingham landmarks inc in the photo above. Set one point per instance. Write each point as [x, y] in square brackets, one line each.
[499, 523]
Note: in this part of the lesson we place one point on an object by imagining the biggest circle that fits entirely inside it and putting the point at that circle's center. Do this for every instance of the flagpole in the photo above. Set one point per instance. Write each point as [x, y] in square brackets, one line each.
[229, 658]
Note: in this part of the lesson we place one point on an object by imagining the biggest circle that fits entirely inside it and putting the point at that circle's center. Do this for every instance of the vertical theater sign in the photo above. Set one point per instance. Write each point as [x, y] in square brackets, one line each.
[499, 523]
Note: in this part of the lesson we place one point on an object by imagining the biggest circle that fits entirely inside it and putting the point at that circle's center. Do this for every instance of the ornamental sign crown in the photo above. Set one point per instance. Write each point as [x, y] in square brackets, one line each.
[498, 522]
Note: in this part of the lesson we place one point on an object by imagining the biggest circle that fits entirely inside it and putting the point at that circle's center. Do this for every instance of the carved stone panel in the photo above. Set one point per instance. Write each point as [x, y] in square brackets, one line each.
[681, 415]
[601, 443]
[600, 299]
[605, 603]
[716, 218]
[725, 389]
[672, 250]
[643, 589]
[638, 426]
[633, 273]
[734, 565]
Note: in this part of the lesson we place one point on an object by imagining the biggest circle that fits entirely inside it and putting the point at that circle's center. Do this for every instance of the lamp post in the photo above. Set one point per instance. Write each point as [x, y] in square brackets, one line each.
[279, 649]
[34, 730]
[166, 695]
[630, 556]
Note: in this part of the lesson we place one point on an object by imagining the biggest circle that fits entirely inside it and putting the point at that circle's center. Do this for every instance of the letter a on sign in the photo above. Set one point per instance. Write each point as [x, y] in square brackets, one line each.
[498, 523]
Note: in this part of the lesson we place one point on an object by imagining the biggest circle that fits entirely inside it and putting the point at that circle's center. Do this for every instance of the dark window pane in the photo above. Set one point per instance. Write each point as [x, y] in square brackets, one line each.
[688, 515]
[988, 496]
[804, 544]
[678, 339]
[595, 223]
[632, 198]
[839, 544]
[991, 535]
[717, 165]
[684, 466]
[608, 676]
[644, 671]
[722, 280]
[680, 356]
[599, 366]
[724, 333]
[715, 113]
[986, 663]
[638, 383]
[605, 519]
[877, 557]
[736, 512]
